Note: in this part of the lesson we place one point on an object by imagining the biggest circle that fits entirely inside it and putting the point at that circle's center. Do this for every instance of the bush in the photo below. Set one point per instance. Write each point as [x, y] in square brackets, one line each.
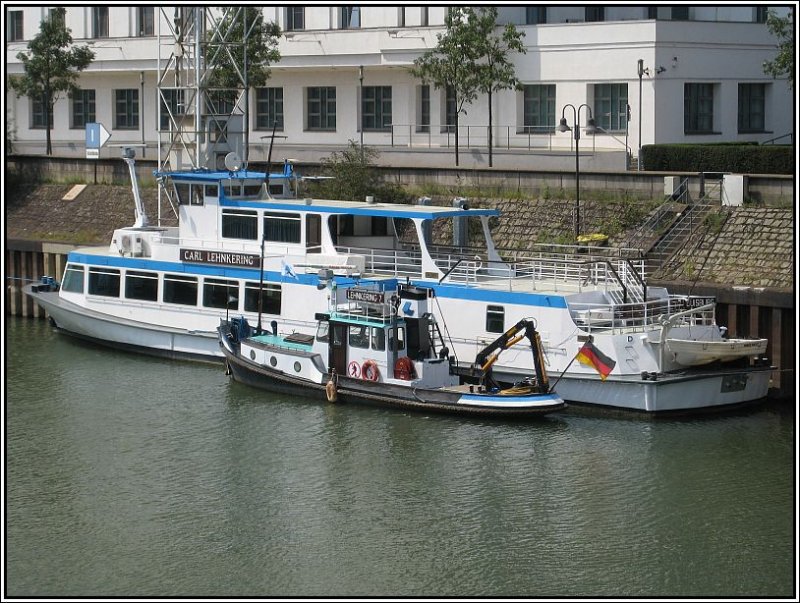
[725, 157]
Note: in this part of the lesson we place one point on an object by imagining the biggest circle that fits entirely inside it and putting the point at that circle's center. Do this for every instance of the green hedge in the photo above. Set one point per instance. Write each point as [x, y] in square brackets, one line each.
[735, 158]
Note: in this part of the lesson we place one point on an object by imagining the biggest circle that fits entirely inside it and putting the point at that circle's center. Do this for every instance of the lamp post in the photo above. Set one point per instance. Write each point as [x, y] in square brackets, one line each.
[641, 70]
[591, 128]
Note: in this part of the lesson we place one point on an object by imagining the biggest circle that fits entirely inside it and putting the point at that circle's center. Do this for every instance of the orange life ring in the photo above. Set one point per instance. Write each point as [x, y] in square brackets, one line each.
[404, 369]
[369, 371]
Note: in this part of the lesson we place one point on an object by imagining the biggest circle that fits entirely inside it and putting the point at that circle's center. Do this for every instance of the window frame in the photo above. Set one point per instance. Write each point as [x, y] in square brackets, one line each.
[534, 97]
[128, 98]
[146, 21]
[745, 113]
[104, 281]
[100, 22]
[83, 108]
[321, 108]
[695, 93]
[138, 285]
[376, 107]
[16, 26]
[269, 108]
[180, 286]
[615, 120]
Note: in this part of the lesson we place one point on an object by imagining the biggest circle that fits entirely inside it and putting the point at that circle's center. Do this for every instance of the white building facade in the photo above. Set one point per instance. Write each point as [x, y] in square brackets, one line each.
[648, 74]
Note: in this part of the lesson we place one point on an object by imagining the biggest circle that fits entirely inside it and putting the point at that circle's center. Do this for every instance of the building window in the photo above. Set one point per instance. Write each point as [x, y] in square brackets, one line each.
[321, 108]
[38, 115]
[221, 102]
[762, 12]
[594, 13]
[698, 108]
[15, 33]
[270, 301]
[269, 108]
[141, 285]
[376, 108]
[126, 109]
[449, 110]
[350, 17]
[281, 228]
[495, 319]
[219, 293]
[611, 107]
[424, 108]
[180, 289]
[83, 108]
[539, 108]
[171, 106]
[146, 20]
[239, 224]
[104, 281]
[424, 17]
[99, 21]
[73, 279]
[751, 107]
[679, 13]
[534, 15]
[295, 18]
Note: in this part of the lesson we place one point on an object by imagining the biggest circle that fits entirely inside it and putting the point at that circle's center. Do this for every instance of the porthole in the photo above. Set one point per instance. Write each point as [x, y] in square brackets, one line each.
[273, 361]
[297, 367]
[252, 354]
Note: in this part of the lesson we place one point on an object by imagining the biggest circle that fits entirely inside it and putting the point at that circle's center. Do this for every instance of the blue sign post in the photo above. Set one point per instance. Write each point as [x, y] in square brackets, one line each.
[96, 137]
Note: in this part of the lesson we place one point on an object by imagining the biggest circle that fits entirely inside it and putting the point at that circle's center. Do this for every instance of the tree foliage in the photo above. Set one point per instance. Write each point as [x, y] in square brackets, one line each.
[225, 49]
[51, 65]
[783, 29]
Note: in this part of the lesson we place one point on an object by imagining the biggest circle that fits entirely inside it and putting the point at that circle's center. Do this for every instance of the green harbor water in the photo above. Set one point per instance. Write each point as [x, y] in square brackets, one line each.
[130, 476]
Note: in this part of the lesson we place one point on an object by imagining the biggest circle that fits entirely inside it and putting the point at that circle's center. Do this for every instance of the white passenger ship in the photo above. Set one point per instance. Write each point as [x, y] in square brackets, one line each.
[164, 290]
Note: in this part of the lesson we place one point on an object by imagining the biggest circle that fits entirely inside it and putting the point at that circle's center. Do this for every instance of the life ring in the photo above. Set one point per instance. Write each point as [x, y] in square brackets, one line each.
[404, 369]
[369, 371]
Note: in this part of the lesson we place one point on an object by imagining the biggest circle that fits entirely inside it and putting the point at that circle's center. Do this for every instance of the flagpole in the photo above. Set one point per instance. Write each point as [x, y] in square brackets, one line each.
[553, 386]
[260, 288]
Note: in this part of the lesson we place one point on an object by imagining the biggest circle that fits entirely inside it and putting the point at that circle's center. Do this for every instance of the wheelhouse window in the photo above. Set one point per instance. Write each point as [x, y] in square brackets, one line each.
[73, 279]
[376, 108]
[281, 228]
[698, 108]
[219, 293]
[180, 289]
[358, 336]
[321, 108]
[378, 339]
[539, 108]
[104, 281]
[239, 224]
[269, 108]
[751, 107]
[190, 194]
[397, 339]
[611, 106]
[271, 300]
[141, 285]
[495, 319]
[83, 108]
[126, 109]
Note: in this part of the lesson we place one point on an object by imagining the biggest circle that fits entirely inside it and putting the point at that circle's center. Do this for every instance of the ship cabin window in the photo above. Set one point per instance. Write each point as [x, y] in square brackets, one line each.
[104, 281]
[180, 289]
[189, 194]
[323, 331]
[281, 228]
[495, 319]
[239, 224]
[141, 285]
[219, 293]
[270, 303]
[359, 336]
[378, 339]
[212, 191]
[73, 279]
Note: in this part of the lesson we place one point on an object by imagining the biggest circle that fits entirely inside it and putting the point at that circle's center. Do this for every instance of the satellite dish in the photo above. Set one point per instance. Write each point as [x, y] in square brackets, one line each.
[233, 162]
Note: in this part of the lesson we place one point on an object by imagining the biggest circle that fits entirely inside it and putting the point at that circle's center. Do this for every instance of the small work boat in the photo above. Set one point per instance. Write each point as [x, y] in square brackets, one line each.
[386, 351]
[691, 352]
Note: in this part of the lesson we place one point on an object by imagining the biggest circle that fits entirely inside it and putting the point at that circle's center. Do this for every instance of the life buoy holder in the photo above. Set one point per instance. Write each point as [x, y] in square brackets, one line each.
[404, 369]
[369, 371]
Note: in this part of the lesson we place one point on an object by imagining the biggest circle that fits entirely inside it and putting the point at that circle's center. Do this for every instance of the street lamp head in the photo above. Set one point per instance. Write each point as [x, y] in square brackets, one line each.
[562, 125]
[591, 127]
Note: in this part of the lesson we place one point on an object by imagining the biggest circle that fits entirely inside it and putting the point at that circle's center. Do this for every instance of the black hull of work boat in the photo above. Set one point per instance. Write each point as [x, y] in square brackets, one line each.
[359, 391]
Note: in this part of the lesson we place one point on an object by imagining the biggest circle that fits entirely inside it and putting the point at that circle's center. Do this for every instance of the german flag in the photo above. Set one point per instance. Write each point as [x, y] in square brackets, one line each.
[589, 355]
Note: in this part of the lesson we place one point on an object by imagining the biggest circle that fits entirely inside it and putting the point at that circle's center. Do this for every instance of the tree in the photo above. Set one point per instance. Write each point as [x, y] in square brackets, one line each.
[51, 66]
[241, 50]
[451, 64]
[495, 71]
[783, 29]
